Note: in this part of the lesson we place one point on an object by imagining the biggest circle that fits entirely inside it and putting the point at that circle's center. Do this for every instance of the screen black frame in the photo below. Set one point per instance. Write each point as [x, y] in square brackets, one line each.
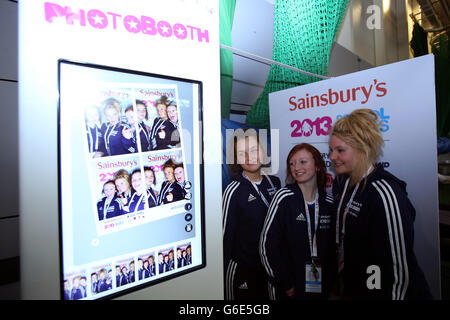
[201, 168]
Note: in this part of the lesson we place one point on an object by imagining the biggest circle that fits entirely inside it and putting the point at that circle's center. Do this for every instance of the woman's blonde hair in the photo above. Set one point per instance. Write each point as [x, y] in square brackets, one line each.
[361, 130]
[123, 174]
[112, 103]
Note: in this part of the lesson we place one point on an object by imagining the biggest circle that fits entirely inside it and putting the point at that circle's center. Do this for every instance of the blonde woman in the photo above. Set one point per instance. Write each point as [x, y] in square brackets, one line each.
[158, 134]
[113, 130]
[122, 180]
[375, 230]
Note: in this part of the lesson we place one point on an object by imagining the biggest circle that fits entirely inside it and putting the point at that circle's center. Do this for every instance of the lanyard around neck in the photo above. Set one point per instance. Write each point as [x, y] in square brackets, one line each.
[164, 191]
[313, 240]
[151, 195]
[340, 235]
[106, 206]
[108, 134]
[267, 203]
[158, 125]
[141, 197]
[142, 128]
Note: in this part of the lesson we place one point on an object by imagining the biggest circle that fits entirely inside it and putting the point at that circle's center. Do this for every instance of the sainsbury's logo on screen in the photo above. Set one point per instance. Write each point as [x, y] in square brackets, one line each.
[99, 19]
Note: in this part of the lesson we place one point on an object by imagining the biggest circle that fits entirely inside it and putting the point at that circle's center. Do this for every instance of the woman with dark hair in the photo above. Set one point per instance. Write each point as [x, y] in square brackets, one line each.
[129, 140]
[143, 130]
[131, 131]
[170, 189]
[244, 206]
[110, 205]
[179, 177]
[162, 128]
[296, 244]
[152, 265]
[146, 269]
[123, 276]
[150, 181]
[173, 131]
[139, 197]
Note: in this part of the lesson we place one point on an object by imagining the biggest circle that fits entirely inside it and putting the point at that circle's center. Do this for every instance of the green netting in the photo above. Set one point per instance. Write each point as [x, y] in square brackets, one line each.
[304, 31]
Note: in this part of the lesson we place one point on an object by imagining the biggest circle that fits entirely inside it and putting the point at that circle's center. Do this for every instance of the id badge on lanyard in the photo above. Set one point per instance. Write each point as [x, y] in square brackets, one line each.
[313, 278]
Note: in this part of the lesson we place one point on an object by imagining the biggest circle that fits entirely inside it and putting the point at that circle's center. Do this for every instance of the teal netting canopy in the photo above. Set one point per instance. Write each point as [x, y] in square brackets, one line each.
[304, 31]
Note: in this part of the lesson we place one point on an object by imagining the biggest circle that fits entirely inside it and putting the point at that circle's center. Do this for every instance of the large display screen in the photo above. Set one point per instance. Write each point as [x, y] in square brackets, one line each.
[130, 179]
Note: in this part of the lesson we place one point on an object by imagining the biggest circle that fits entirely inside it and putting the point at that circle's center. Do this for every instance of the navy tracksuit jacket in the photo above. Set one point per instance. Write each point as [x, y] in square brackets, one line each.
[379, 231]
[113, 210]
[114, 140]
[284, 244]
[243, 217]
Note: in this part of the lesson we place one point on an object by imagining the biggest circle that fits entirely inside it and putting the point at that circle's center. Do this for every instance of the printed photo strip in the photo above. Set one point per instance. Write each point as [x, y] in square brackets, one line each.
[125, 272]
[146, 266]
[75, 286]
[134, 154]
[101, 279]
[184, 255]
[166, 260]
[122, 121]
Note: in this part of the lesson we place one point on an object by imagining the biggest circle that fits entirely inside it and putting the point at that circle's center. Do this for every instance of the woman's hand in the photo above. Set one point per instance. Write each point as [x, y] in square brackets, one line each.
[162, 134]
[127, 133]
[290, 292]
[124, 200]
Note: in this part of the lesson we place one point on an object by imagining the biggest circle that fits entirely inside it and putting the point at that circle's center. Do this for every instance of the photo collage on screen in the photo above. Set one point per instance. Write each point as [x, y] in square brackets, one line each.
[134, 153]
[128, 184]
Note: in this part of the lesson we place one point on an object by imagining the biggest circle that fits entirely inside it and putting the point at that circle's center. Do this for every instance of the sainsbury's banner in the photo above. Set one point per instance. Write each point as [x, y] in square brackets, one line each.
[403, 96]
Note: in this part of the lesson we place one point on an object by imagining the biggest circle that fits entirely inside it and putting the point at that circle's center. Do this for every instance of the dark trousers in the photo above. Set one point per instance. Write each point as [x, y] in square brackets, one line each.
[245, 283]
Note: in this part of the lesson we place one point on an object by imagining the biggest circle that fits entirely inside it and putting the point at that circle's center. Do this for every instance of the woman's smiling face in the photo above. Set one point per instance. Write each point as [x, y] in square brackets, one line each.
[342, 155]
[302, 166]
[109, 190]
[248, 154]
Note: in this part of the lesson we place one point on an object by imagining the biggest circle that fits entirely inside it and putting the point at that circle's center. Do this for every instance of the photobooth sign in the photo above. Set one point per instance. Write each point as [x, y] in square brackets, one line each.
[403, 96]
